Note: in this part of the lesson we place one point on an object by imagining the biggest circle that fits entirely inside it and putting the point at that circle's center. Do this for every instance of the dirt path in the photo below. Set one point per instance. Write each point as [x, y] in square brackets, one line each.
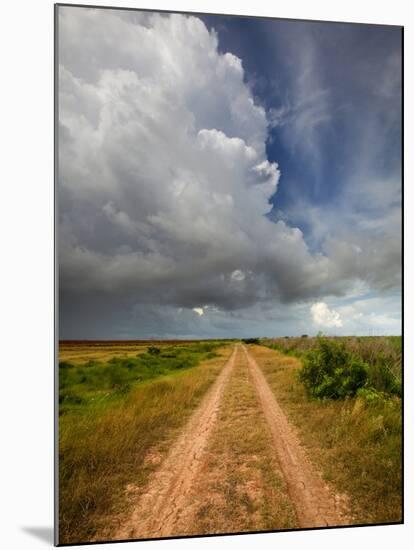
[315, 504]
[158, 511]
[237, 465]
[240, 485]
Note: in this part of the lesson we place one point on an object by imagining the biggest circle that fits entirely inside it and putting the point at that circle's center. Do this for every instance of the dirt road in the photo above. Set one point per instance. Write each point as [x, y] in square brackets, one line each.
[238, 465]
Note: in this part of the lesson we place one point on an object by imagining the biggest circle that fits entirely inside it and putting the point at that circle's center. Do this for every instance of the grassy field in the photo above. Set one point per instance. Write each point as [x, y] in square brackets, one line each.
[121, 405]
[98, 380]
[355, 442]
[82, 351]
[113, 412]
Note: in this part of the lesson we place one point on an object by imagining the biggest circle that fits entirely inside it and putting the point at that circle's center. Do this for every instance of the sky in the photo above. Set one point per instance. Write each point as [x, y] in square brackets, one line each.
[227, 176]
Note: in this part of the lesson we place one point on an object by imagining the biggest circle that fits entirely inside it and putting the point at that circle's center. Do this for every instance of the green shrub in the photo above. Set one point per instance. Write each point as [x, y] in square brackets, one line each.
[330, 371]
[251, 341]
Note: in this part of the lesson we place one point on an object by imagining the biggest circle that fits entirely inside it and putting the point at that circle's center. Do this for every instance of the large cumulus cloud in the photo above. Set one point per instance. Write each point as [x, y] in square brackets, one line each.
[164, 184]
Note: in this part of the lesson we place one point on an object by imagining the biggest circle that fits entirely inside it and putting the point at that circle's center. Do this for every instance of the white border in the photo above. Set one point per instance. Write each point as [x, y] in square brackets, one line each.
[26, 382]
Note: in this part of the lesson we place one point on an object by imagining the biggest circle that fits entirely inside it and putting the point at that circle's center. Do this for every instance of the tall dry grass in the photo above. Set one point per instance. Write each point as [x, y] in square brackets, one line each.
[356, 444]
[103, 451]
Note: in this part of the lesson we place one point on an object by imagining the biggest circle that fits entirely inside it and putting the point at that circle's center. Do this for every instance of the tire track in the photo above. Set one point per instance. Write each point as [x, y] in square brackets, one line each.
[314, 503]
[240, 485]
[157, 512]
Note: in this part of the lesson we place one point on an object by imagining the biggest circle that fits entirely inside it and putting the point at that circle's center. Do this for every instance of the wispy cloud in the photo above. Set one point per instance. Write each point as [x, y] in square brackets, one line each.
[305, 109]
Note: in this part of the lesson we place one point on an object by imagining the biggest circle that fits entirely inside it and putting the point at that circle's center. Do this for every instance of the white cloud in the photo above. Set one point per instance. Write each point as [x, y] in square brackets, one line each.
[164, 184]
[238, 275]
[325, 317]
[164, 180]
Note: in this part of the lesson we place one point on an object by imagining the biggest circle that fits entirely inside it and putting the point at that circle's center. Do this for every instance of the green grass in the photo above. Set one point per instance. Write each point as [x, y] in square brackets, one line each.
[112, 415]
[94, 382]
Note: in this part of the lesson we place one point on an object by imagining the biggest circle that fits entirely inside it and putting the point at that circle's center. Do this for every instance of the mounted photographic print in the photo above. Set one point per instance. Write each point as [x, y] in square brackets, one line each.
[229, 265]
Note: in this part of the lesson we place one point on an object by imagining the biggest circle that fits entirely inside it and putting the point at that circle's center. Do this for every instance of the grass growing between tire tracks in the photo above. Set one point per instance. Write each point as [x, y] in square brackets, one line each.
[241, 475]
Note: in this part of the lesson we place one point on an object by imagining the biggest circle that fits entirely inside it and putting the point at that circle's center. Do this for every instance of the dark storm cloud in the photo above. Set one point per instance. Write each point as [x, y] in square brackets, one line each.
[165, 186]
